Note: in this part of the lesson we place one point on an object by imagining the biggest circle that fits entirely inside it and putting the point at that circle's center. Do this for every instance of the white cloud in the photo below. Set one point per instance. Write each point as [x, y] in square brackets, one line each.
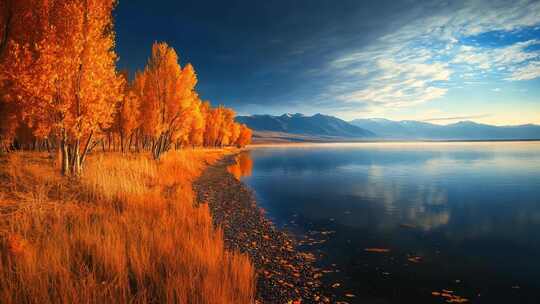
[483, 58]
[471, 18]
[527, 72]
[401, 84]
[416, 63]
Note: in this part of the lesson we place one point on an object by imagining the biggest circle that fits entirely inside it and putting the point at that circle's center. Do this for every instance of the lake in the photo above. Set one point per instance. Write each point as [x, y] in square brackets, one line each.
[404, 222]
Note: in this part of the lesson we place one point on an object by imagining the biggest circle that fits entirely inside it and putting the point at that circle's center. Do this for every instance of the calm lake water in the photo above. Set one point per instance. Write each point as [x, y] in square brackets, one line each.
[454, 218]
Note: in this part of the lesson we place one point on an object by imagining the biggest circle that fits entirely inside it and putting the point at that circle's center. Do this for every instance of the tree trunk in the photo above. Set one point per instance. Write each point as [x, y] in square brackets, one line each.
[65, 155]
[85, 150]
[156, 148]
[161, 145]
[6, 29]
[122, 142]
[76, 158]
[129, 143]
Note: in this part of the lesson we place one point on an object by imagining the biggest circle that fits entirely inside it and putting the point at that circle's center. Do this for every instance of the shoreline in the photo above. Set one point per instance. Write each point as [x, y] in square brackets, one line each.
[284, 273]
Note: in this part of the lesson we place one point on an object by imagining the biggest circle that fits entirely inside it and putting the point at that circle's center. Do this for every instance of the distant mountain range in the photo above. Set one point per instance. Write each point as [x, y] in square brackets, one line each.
[319, 127]
[463, 130]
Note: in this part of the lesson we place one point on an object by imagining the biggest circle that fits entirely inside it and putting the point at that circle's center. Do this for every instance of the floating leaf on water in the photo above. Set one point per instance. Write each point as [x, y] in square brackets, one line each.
[377, 250]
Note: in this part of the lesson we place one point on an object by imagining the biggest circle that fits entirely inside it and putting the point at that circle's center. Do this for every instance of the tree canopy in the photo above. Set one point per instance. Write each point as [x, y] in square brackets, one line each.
[60, 88]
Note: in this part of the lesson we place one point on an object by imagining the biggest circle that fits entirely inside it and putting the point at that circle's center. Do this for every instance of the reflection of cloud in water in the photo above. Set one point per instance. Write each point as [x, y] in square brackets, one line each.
[478, 162]
[424, 208]
[431, 220]
[463, 190]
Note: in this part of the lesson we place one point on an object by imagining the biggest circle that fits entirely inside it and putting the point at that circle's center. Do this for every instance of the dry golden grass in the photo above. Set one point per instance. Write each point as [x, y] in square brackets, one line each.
[128, 231]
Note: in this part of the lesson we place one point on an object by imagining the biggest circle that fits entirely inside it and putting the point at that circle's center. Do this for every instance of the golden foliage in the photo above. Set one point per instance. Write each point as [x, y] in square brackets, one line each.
[58, 78]
[130, 231]
[173, 111]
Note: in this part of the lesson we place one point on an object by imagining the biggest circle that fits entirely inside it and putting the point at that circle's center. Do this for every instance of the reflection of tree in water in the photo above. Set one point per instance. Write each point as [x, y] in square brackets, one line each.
[242, 166]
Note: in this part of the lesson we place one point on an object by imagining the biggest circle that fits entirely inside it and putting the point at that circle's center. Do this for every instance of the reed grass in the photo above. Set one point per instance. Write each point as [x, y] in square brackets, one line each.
[129, 230]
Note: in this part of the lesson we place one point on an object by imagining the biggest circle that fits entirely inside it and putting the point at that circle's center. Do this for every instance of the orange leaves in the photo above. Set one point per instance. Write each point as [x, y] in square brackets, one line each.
[57, 70]
[173, 111]
[222, 130]
[245, 136]
[169, 98]
[62, 72]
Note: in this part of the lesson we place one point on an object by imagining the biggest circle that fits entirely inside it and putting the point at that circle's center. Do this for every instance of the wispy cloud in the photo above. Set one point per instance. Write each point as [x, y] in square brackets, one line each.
[401, 83]
[505, 60]
[527, 72]
[421, 61]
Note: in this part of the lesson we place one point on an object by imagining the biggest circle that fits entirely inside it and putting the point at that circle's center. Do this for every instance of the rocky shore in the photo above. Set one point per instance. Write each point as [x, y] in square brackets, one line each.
[285, 274]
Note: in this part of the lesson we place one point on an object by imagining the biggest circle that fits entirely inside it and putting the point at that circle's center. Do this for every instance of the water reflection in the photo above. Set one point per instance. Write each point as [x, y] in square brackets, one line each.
[472, 211]
[242, 167]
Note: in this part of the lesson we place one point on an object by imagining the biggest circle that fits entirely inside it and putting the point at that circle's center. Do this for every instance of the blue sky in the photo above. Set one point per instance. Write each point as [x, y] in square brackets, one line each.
[438, 61]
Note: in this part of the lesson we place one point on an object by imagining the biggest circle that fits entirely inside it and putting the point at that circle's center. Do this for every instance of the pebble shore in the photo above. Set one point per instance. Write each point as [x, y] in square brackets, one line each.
[284, 273]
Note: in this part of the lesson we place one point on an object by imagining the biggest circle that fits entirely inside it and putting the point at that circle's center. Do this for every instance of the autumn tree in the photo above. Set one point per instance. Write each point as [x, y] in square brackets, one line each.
[64, 78]
[213, 123]
[19, 22]
[58, 82]
[15, 20]
[168, 98]
[235, 133]
[127, 113]
[245, 136]
[226, 127]
[198, 125]
[9, 121]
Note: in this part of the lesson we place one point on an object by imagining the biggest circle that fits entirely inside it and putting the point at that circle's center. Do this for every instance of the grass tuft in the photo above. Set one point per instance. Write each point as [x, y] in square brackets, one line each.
[128, 231]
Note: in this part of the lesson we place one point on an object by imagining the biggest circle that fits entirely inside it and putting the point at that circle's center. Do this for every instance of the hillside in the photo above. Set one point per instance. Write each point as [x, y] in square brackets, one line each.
[318, 125]
[464, 130]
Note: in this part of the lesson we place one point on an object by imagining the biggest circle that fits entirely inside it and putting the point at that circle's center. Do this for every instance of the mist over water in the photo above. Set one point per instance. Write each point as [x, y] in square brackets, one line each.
[463, 217]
